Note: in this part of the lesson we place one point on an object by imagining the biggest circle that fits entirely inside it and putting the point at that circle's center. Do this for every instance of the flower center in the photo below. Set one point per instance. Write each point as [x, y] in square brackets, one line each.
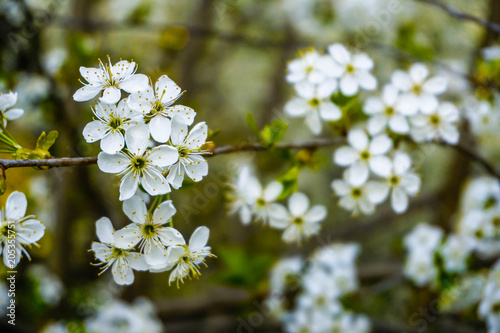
[365, 155]
[148, 230]
[115, 123]
[495, 308]
[356, 193]
[261, 202]
[314, 102]
[496, 221]
[394, 180]
[116, 252]
[183, 152]
[309, 69]
[479, 233]
[417, 89]
[139, 163]
[320, 300]
[4, 231]
[298, 220]
[350, 69]
[435, 119]
[389, 110]
[490, 202]
[157, 107]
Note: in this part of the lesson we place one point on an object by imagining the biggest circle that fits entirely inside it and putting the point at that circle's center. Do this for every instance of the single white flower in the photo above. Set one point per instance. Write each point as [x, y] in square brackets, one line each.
[187, 258]
[155, 105]
[336, 256]
[436, 124]
[241, 200]
[320, 293]
[314, 104]
[265, 204]
[147, 231]
[455, 252]
[383, 113]
[138, 164]
[363, 155]
[121, 261]
[110, 79]
[354, 197]
[419, 91]
[299, 221]
[420, 267]
[423, 237]
[190, 160]
[6, 102]
[112, 121]
[17, 230]
[348, 322]
[355, 70]
[401, 180]
[306, 68]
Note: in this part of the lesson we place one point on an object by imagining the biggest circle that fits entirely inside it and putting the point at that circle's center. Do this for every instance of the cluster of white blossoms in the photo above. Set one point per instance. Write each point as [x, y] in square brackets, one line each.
[253, 202]
[148, 243]
[18, 231]
[7, 113]
[145, 139]
[129, 130]
[375, 171]
[316, 77]
[319, 284]
[489, 307]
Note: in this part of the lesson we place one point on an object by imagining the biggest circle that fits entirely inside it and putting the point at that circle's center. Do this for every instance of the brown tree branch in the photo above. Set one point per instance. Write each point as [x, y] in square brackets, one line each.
[462, 16]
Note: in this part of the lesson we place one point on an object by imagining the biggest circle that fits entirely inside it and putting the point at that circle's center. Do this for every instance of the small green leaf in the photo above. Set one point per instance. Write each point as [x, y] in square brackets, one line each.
[290, 181]
[274, 132]
[253, 125]
[45, 141]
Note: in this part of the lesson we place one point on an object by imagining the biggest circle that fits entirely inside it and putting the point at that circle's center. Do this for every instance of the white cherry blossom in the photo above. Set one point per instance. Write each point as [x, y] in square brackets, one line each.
[187, 258]
[314, 104]
[7, 101]
[190, 160]
[121, 261]
[401, 182]
[455, 252]
[363, 155]
[355, 70]
[265, 204]
[383, 112]
[138, 164]
[148, 231]
[306, 68]
[439, 123]
[423, 237]
[111, 123]
[419, 91]
[17, 230]
[299, 221]
[420, 268]
[110, 79]
[156, 105]
[242, 201]
[354, 197]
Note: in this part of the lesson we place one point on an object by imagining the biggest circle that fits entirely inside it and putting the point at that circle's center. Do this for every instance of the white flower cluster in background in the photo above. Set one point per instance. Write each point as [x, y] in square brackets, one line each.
[18, 231]
[489, 307]
[148, 243]
[253, 202]
[125, 128]
[319, 284]
[375, 171]
[316, 77]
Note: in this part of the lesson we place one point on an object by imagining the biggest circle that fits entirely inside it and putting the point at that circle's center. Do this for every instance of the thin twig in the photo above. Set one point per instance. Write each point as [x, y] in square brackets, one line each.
[463, 16]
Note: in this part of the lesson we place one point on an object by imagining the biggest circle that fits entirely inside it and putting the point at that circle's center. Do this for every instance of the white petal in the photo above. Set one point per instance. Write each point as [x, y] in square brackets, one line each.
[377, 123]
[163, 156]
[377, 191]
[340, 187]
[418, 73]
[164, 212]
[197, 168]
[186, 113]
[16, 205]
[160, 128]
[128, 237]
[373, 105]
[134, 83]
[450, 134]
[111, 95]
[112, 163]
[13, 114]
[167, 90]
[278, 216]
[380, 165]
[197, 136]
[329, 111]
[94, 131]
[176, 175]
[402, 163]
[298, 204]
[154, 182]
[362, 61]
[128, 186]
[326, 88]
[408, 105]
[135, 209]
[104, 230]
[349, 85]
[399, 124]
[339, 53]
[122, 274]
[7, 101]
[30, 231]
[199, 239]
[427, 103]
[155, 254]
[435, 86]
[305, 90]
[345, 156]
[137, 261]
[112, 143]
[171, 237]
[358, 139]
[357, 174]
[92, 75]
[86, 93]
[179, 130]
[137, 139]
[272, 191]
[316, 214]
[296, 107]
[390, 95]
[380, 144]
[366, 81]
[411, 183]
[399, 200]
[401, 80]
[313, 122]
